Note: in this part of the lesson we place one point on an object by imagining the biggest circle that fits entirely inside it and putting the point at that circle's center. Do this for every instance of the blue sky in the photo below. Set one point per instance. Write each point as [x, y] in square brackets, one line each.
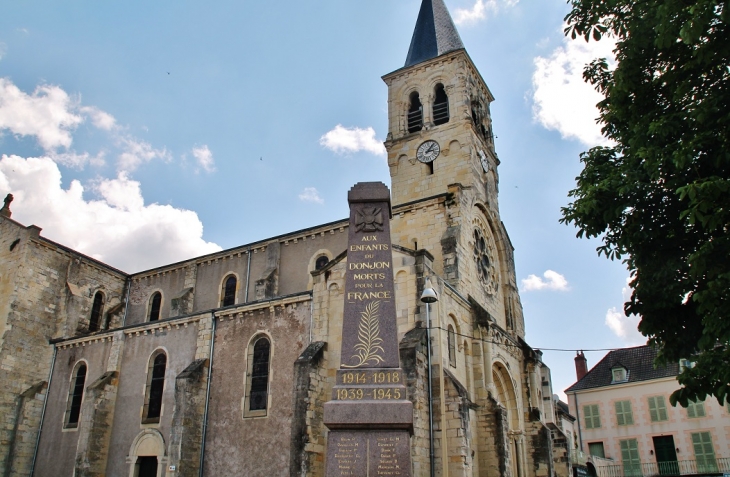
[143, 133]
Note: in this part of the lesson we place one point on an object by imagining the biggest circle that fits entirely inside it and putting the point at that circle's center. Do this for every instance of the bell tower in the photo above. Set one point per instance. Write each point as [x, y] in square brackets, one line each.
[442, 160]
[440, 130]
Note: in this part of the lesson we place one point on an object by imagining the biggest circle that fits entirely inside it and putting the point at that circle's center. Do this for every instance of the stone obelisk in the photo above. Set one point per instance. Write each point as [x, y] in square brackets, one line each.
[369, 417]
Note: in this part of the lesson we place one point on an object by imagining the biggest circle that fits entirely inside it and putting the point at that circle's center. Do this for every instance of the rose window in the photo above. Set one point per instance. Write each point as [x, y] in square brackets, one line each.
[485, 269]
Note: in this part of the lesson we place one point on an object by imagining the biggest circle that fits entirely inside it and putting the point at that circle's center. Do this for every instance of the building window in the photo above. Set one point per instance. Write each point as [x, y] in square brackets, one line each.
[75, 397]
[228, 294]
[259, 358]
[155, 387]
[155, 305]
[704, 452]
[451, 338]
[596, 449]
[630, 457]
[657, 409]
[415, 113]
[96, 311]
[695, 409]
[624, 416]
[440, 106]
[321, 262]
[591, 416]
[619, 375]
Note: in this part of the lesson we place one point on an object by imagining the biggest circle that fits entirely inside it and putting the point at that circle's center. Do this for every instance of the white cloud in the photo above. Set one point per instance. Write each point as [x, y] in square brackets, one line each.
[478, 11]
[625, 327]
[77, 161]
[342, 140]
[99, 118]
[48, 114]
[137, 152]
[118, 229]
[562, 101]
[51, 116]
[204, 157]
[310, 194]
[553, 281]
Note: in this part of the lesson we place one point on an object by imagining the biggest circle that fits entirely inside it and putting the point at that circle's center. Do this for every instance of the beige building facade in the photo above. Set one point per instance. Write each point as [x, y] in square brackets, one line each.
[628, 426]
[221, 365]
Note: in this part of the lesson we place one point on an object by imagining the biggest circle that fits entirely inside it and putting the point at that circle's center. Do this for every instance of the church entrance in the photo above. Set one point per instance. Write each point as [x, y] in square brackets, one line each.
[147, 467]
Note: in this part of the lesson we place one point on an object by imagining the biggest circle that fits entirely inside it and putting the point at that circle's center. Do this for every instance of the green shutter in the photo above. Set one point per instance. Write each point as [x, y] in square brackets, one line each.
[591, 416]
[624, 416]
[695, 409]
[630, 457]
[704, 452]
[596, 449]
[657, 409]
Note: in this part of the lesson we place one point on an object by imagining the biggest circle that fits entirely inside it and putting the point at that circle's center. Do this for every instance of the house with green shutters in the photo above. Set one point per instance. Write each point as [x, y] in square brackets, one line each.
[627, 427]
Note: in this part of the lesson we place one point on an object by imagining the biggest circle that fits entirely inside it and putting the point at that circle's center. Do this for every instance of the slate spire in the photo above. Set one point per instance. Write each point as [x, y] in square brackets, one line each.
[435, 33]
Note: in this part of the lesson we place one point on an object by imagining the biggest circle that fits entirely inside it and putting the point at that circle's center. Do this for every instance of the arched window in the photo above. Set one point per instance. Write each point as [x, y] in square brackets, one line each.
[440, 106]
[451, 337]
[321, 262]
[75, 397]
[97, 309]
[415, 113]
[228, 294]
[259, 357]
[155, 305]
[155, 388]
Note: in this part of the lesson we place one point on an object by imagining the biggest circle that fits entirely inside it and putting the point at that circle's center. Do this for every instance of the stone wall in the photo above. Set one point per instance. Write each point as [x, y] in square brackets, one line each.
[232, 436]
[307, 446]
[46, 291]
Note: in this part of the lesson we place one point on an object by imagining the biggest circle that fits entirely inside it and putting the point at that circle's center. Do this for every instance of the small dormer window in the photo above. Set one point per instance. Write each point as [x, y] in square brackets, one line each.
[415, 113]
[619, 375]
[685, 364]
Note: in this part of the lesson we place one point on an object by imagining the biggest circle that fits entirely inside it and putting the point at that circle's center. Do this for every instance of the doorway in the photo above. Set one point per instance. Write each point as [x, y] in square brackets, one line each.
[147, 466]
[666, 455]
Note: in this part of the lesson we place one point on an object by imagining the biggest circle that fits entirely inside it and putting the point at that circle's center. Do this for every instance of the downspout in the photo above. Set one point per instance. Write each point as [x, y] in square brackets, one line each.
[126, 302]
[577, 416]
[248, 274]
[311, 316]
[43, 412]
[207, 396]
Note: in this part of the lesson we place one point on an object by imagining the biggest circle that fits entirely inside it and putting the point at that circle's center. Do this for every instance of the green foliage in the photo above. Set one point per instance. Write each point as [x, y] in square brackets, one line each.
[660, 198]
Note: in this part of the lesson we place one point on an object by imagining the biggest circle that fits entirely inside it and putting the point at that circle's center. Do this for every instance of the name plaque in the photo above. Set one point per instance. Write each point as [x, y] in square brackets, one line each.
[369, 454]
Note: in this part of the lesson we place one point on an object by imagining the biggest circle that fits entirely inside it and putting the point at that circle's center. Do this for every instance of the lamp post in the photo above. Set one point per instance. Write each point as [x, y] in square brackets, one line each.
[429, 296]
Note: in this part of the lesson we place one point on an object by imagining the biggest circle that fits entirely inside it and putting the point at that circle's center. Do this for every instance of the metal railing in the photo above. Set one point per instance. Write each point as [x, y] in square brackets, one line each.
[671, 468]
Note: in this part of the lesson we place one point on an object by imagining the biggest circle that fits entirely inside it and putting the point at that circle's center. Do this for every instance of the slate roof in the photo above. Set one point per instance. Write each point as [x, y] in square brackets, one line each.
[638, 361]
[435, 33]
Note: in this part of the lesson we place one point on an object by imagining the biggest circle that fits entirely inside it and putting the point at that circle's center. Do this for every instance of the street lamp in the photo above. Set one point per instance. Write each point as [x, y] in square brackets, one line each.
[429, 296]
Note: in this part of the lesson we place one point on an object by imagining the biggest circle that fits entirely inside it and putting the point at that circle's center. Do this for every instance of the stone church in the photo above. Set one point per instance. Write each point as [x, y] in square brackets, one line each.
[220, 365]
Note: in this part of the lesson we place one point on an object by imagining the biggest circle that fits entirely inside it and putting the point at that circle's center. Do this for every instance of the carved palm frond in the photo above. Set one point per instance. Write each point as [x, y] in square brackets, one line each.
[369, 341]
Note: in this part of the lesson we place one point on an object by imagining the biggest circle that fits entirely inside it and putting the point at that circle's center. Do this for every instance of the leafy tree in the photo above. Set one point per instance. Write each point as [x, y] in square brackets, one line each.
[660, 197]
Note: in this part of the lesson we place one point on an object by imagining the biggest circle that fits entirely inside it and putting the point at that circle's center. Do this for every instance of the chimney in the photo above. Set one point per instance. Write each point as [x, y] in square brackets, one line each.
[581, 365]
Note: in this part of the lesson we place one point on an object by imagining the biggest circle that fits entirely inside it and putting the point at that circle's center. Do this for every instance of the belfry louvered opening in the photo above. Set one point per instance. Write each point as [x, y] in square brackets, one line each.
[415, 113]
[440, 106]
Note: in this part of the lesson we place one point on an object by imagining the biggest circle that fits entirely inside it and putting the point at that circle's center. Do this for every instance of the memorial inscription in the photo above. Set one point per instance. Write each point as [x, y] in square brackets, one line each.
[369, 416]
[369, 453]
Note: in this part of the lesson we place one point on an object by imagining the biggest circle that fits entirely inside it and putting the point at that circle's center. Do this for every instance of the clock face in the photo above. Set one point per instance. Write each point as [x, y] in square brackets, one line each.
[484, 161]
[428, 151]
